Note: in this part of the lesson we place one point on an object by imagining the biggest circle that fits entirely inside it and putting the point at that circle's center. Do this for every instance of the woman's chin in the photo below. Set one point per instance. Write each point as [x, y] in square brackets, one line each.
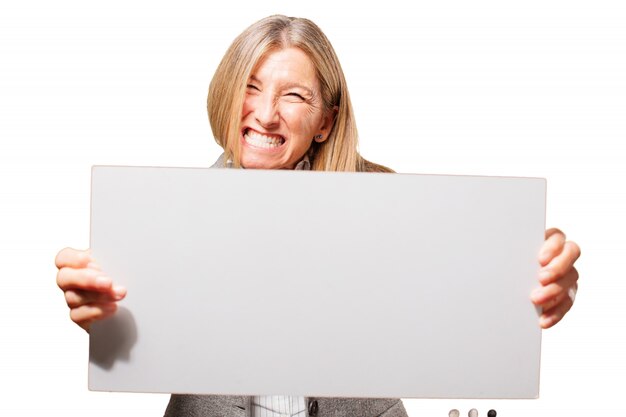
[259, 163]
[255, 158]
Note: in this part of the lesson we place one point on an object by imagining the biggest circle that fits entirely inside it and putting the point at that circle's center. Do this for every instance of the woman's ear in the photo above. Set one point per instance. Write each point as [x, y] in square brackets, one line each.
[327, 124]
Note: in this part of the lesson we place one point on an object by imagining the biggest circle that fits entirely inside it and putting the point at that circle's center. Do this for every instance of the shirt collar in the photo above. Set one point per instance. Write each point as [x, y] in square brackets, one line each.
[222, 162]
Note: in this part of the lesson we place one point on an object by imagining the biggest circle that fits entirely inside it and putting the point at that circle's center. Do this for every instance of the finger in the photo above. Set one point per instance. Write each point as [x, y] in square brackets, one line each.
[552, 246]
[551, 317]
[545, 294]
[73, 258]
[552, 302]
[77, 298]
[87, 314]
[83, 279]
[561, 264]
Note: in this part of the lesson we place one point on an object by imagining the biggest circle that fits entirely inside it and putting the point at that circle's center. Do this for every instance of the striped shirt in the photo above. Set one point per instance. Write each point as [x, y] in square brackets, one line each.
[278, 406]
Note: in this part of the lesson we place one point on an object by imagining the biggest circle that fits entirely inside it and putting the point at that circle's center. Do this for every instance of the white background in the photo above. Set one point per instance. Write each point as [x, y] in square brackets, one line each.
[534, 88]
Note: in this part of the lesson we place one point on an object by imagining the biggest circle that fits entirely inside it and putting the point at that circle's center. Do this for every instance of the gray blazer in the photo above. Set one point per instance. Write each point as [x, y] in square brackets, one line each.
[227, 406]
[239, 406]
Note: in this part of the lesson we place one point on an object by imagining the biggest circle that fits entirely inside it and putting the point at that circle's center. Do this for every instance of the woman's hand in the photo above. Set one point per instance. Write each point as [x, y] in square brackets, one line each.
[558, 278]
[89, 293]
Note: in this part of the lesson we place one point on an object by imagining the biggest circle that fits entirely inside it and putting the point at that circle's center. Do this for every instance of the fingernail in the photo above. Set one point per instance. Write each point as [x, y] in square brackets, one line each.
[119, 292]
[545, 274]
[93, 265]
[103, 282]
[536, 295]
[546, 321]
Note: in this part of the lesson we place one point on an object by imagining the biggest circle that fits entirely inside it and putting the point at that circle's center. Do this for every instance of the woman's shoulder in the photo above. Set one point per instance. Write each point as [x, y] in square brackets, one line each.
[368, 166]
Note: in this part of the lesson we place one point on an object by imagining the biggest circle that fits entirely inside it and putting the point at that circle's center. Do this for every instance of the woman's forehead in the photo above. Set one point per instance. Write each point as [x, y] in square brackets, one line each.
[289, 67]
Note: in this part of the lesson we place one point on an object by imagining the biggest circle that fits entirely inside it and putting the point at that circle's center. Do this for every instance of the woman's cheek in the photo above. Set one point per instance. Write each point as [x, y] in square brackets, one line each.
[297, 117]
[288, 112]
[248, 105]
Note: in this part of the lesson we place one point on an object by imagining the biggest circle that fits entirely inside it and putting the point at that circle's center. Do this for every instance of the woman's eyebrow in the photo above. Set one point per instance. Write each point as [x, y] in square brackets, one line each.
[297, 85]
[255, 79]
[287, 85]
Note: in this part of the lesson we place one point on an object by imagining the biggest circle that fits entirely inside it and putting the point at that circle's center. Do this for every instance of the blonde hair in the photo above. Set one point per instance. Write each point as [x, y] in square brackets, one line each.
[339, 152]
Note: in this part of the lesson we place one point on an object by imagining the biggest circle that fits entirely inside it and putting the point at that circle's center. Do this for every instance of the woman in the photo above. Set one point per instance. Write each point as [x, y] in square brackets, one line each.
[279, 100]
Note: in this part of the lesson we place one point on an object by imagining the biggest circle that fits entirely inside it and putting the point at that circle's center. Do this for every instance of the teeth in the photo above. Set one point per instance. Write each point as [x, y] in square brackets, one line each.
[262, 141]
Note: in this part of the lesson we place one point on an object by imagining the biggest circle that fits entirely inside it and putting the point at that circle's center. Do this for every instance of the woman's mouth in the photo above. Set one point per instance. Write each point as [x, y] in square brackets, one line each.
[261, 140]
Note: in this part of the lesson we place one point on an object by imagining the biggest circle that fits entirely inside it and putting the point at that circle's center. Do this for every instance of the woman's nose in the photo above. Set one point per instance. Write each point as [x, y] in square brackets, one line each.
[266, 112]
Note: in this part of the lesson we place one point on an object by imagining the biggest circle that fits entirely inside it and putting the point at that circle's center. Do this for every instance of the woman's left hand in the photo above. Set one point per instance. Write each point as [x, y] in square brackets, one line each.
[557, 276]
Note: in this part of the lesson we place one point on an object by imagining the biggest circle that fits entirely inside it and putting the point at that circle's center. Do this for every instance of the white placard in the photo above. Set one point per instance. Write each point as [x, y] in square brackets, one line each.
[316, 283]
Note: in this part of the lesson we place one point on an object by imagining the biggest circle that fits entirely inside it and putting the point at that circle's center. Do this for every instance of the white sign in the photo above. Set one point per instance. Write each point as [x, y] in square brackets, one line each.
[318, 284]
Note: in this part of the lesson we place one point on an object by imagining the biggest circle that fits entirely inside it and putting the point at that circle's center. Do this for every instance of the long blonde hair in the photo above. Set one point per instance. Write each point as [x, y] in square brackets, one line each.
[339, 152]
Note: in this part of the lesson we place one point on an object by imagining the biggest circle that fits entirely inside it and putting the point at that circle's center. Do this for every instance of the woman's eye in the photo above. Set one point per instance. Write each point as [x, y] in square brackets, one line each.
[253, 87]
[296, 95]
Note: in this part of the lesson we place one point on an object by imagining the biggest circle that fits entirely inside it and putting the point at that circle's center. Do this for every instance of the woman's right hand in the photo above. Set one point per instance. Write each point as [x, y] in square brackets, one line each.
[89, 293]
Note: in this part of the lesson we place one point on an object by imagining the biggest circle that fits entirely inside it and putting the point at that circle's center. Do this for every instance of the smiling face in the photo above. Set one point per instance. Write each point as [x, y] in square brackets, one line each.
[282, 111]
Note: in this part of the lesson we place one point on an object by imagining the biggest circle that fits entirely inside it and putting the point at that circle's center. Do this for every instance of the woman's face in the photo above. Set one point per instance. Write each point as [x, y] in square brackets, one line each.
[282, 111]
